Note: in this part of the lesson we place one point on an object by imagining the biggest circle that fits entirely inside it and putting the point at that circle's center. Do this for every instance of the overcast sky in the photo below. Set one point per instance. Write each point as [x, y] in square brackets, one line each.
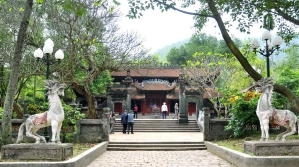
[161, 29]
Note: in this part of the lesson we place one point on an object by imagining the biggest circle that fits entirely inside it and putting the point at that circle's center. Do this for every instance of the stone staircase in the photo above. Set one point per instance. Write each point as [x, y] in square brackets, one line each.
[160, 125]
[155, 146]
[156, 126]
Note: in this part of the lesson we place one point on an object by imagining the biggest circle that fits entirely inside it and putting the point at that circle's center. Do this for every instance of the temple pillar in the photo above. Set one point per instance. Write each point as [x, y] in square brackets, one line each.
[183, 107]
[128, 80]
[109, 98]
[128, 99]
[143, 107]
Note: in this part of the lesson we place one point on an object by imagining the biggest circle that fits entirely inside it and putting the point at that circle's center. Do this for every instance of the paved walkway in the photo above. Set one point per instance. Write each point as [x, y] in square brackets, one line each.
[198, 158]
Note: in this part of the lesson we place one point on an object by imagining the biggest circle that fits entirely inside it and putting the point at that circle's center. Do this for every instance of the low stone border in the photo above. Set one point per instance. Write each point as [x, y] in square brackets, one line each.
[245, 160]
[79, 161]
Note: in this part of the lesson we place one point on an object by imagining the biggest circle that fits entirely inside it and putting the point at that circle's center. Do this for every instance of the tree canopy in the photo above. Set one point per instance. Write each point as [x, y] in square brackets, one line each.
[86, 31]
[199, 43]
[214, 9]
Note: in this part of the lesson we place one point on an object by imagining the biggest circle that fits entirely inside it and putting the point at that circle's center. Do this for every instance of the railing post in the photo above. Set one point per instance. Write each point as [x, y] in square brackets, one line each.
[206, 132]
[106, 125]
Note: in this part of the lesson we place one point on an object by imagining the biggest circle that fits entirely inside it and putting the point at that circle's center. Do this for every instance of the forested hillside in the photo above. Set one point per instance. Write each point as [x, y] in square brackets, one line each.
[164, 51]
[278, 56]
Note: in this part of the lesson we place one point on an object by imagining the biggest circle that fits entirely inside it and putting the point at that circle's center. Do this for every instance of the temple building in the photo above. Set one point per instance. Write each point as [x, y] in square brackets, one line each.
[148, 88]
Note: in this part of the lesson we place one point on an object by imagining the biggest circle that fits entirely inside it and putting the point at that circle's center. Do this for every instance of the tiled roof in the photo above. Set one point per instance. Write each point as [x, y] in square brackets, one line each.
[149, 73]
[136, 95]
[120, 87]
[174, 95]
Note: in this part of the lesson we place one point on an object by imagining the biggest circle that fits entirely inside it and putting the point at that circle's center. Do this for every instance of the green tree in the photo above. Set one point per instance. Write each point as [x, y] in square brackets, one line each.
[264, 12]
[213, 9]
[209, 73]
[287, 74]
[15, 68]
[88, 33]
[178, 56]
[199, 43]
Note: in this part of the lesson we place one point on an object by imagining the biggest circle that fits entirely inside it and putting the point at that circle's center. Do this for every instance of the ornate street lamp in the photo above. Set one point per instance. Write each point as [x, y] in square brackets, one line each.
[38, 54]
[269, 49]
[48, 49]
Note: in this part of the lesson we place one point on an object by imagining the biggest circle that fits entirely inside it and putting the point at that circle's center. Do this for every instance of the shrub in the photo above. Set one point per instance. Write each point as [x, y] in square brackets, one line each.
[71, 115]
[244, 114]
[33, 109]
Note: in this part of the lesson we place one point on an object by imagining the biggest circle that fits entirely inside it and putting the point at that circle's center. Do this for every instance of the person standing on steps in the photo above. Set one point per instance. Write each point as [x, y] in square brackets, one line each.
[130, 122]
[112, 122]
[109, 116]
[135, 111]
[164, 109]
[176, 111]
[124, 121]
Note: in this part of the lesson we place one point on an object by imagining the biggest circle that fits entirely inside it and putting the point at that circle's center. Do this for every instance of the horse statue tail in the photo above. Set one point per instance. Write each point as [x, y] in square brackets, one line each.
[20, 134]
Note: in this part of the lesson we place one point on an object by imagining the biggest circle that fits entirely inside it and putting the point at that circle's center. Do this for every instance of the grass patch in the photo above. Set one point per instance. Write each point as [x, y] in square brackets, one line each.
[78, 148]
[238, 144]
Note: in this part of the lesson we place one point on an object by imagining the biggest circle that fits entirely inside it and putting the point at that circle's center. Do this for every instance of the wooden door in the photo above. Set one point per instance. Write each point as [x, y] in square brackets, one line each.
[118, 108]
[191, 108]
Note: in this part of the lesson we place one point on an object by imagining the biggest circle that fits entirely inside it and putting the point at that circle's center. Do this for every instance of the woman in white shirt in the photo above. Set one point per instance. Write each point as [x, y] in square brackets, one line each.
[164, 110]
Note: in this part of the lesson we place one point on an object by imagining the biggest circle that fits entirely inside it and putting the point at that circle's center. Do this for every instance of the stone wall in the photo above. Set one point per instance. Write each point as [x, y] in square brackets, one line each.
[214, 128]
[88, 130]
[93, 130]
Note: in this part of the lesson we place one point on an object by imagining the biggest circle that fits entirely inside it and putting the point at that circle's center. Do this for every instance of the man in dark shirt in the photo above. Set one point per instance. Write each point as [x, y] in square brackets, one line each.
[124, 121]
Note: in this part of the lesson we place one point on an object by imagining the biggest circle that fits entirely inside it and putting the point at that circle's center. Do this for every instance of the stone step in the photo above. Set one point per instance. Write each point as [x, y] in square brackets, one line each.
[160, 125]
[165, 128]
[156, 125]
[159, 119]
[175, 122]
[155, 146]
[171, 123]
[158, 130]
[162, 142]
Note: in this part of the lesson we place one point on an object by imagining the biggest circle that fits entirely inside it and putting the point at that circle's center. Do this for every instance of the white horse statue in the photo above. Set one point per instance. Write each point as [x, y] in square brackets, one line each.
[268, 114]
[200, 120]
[53, 117]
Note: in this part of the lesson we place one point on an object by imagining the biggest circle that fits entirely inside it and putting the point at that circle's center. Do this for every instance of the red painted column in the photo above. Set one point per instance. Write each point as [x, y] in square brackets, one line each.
[143, 108]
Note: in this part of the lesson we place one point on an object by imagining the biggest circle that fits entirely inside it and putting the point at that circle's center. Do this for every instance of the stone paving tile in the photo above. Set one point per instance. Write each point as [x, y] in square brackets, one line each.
[156, 137]
[200, 158]
[197, 158]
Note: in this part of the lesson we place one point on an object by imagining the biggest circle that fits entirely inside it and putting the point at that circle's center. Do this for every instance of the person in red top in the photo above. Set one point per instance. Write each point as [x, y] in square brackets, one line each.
[135, 111]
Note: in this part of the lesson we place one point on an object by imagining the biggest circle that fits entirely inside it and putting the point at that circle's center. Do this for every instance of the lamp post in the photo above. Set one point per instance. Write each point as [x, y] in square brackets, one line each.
[268, 49]
[38, 54]
[48, 49]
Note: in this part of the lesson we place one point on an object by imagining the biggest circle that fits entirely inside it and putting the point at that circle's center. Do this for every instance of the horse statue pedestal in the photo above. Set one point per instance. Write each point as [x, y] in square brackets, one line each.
[272, 148]
[49, 152]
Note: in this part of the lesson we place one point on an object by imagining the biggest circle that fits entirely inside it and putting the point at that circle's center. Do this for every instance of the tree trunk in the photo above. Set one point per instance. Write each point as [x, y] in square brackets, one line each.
[13, 79]
[88, 97]
[91, 106]
[243, 61]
